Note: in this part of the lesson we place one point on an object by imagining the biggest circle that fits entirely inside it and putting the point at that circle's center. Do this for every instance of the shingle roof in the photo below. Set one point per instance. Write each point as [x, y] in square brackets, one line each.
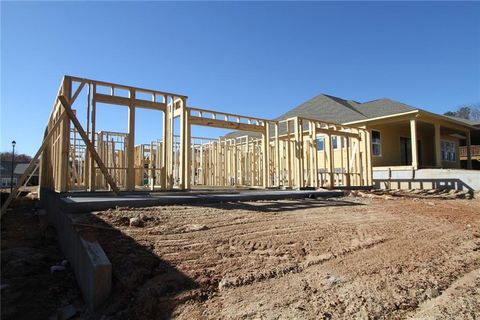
[327, 108]
[382, 107]
[322, 107]
[21, 167]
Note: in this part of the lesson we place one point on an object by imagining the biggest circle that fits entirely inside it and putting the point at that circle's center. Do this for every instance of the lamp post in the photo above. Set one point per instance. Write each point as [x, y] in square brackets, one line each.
[13, 159]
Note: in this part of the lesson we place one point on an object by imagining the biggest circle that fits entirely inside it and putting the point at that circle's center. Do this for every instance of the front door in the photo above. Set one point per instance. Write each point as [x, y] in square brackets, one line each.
[406, 151]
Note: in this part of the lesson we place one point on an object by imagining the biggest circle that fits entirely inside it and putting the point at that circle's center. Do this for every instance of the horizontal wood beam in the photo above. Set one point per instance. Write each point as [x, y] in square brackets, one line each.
[336, 133]
[123, 101]
[225, 124]
[125, 87]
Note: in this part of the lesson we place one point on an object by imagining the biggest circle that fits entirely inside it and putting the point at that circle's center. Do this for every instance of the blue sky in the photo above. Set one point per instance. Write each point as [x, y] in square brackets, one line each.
[252, 58]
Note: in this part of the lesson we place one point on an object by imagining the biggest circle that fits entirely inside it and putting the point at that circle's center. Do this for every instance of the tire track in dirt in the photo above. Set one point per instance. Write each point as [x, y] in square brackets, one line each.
[349, 261]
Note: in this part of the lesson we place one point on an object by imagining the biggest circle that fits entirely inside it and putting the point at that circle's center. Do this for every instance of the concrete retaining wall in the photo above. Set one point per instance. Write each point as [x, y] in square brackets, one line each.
[427, 179]
[90, 264]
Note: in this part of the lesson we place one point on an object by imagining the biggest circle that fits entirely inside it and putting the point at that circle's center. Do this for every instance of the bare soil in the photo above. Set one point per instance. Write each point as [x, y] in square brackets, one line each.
[29, 248]
[344, 258]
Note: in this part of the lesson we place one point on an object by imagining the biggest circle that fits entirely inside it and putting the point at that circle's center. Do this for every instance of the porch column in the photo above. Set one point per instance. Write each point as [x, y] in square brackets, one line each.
[469, 151]
[413, 137]
[438, 153]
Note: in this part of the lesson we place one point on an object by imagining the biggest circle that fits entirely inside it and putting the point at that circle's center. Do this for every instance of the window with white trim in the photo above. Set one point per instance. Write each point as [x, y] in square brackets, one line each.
[448, 150]
[376, 143]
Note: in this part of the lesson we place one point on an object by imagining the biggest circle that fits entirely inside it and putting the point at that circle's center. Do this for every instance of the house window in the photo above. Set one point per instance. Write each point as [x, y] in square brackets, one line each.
[376, 143]
[5, 182]
[320, 143]
[448, 150]
[335, 142]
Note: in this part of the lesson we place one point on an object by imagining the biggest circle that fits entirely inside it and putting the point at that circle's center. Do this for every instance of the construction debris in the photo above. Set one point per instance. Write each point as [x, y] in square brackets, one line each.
[439, 193]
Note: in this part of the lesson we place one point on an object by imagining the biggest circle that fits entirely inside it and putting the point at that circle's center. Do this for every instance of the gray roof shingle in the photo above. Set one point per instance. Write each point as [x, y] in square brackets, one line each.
[383, 107]
[327, 108]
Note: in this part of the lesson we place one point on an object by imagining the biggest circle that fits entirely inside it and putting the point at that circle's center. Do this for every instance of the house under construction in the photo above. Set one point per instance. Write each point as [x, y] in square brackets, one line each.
[278, 154]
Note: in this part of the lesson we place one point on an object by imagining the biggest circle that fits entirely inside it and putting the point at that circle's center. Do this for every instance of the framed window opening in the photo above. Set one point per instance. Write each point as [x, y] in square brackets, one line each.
[376, 143]
[448, 150]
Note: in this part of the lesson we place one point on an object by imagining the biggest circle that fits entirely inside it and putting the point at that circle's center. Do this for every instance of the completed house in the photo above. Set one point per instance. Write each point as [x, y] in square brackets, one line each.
[402, 136]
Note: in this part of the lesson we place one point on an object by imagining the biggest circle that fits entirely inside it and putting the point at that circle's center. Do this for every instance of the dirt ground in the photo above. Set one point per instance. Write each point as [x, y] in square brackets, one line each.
[344, 258]
[28, 249]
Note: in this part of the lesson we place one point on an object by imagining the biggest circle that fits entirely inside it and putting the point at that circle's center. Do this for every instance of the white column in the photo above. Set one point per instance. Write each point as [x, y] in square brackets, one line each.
[413, 137]
[438, 153]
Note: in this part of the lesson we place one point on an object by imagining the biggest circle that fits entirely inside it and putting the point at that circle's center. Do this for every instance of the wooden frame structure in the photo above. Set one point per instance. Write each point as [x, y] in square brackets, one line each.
[281, 153]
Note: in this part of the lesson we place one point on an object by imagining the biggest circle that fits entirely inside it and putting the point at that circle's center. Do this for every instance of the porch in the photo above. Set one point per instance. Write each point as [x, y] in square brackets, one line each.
[474, 152]
[420, 140]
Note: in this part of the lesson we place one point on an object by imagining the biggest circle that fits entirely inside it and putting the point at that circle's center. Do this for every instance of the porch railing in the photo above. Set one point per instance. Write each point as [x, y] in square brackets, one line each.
[474, 151]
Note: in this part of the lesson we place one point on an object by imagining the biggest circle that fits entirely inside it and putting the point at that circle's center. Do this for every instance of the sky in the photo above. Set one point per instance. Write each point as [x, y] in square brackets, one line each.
[251, 58]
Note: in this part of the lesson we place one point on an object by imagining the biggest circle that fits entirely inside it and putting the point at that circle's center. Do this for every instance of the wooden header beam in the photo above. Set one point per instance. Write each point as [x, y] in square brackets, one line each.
[123, 101]
[125, 87]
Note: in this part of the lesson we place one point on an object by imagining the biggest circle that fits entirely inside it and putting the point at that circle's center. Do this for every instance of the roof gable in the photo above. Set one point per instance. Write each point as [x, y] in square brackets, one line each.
[327, 108]
[383, 107]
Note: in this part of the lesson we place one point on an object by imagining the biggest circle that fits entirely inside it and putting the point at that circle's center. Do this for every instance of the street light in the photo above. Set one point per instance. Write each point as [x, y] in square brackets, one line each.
[13, 159]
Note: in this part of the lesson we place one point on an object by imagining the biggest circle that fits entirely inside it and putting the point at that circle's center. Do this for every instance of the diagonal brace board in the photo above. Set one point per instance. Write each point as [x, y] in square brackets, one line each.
[32, 164]
[91, 149]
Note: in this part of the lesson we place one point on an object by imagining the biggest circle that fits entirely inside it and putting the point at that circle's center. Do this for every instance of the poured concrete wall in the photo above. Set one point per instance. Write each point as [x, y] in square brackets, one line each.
[426, 179]
[89, 262]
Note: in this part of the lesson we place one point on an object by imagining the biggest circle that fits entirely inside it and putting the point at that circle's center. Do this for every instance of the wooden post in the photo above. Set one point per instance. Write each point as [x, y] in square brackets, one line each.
[347, 151]
[92, 170]
[315, 155]
[130, 185]
[266, 157]
[151, 166]
[469, 151]
[358, 164]
[329, 154]
[299, 179]
[289, 156]
[184, 145]
[277, 157]
[65, 139]
[168, 144]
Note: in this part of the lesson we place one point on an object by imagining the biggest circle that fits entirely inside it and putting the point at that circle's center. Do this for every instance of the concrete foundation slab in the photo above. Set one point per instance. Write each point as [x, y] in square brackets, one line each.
[98, 201]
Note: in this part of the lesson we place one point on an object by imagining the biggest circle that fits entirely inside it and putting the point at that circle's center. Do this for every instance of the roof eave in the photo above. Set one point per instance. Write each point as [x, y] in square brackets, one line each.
[419, 111]
[380, 118]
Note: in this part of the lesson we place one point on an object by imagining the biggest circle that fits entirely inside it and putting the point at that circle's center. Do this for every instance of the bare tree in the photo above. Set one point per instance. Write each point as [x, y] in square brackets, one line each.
[468, 111]
[7, 156]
